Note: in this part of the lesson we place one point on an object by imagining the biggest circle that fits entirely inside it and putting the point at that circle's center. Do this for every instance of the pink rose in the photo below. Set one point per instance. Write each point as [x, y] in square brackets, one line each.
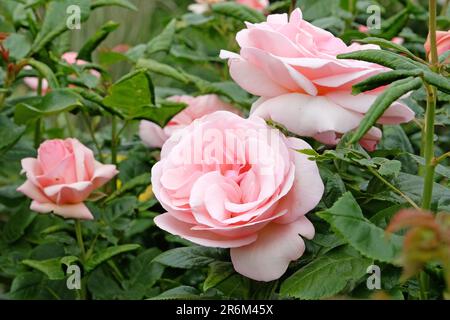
[259, 5]
[64, 175]
[292, 65]
[231, 182]
[442, 42]
[70, 58]
[154, 136]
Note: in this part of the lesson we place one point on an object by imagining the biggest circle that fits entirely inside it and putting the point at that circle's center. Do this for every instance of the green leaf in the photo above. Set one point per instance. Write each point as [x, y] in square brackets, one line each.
[55, 21]
[143, 274]
[17, 224]
[238, 12]
[93, 42]
[190, 257]
[383, 79]
[10, 133]
[385, 58]
[394, 92]
[18, 45]
[392, 26]
[346, 218]
[440, 169]
[326, 276]
[163, 41]
[437, 80]
[180, 293]
[45, 72]
[218, 271]
[412, 186]
[55, 102]
[162, 69]
[118, 3]
[390, 167]
[51, 267]
[107, 254]
[387, 44]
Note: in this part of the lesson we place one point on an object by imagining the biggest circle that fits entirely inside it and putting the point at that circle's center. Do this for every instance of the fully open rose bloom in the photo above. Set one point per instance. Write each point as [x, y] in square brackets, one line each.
[292, 65]
[154, 136]
[231, 182]
[442, 42]
[64, 175]
[70, 58]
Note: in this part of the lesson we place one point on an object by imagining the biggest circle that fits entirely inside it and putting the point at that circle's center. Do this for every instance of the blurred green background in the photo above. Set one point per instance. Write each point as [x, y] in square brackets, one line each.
[135, 26]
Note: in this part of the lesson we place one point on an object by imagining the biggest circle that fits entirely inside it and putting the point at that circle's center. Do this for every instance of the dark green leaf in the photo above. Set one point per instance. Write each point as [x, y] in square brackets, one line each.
[107, 254]
[238, 12]
[346, 218]
[384, 78]
[17, 224]
[45, 72]
[218, 271]
[327, 275]
[52, 268]
[10, 133]
[190, 257]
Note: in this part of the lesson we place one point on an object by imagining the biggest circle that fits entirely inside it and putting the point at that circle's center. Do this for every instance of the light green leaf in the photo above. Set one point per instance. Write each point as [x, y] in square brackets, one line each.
[45, 72]
[394, 92]
[118, 3]
[18, 45]
[387, 44]
[93, 42]
[107, 254]
[326, 276]
[162, 69]
[346, 218]
[53, 103]
[163, 41]
[141, 180]
[51, 267]
[55, 21]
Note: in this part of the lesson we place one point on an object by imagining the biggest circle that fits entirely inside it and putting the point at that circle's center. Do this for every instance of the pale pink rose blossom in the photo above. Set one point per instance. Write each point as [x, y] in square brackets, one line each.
[154, 136]
[70, 58]
[236, 183]
[62, 176]
[442, 42]
[259, 5]
[292, 66]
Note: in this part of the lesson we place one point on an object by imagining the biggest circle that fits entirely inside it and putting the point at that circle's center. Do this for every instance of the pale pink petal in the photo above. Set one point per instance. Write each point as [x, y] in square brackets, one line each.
[253, 79]
[102, 174]
[69, 193]
[151, 134]
[205, 238]
[75, 211]
[32, 191]
[308, 187]
[269, 256]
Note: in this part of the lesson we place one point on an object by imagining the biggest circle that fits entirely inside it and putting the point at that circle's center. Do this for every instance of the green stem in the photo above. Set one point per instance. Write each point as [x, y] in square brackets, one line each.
[114, 148]
[292, 6]
[393, 188]
[428, 141]
[442, 158]
[69, 125]
[429, 148]
[79, 236]
[37, 129]
[92, 134]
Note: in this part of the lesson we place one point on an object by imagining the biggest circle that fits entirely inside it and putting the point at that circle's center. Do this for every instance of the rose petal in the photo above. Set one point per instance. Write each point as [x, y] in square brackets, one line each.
[269, 256]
